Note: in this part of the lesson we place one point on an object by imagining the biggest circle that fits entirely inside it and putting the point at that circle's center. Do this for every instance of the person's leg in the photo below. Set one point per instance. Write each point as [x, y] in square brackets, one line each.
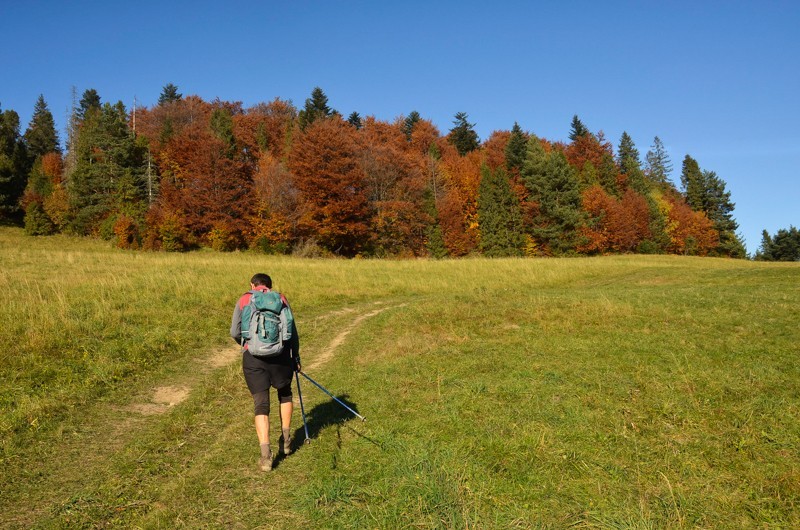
[261, 410]
[286, 408]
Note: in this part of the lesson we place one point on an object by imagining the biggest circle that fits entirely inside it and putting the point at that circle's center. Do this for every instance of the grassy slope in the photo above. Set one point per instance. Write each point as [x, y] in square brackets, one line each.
[613, 392]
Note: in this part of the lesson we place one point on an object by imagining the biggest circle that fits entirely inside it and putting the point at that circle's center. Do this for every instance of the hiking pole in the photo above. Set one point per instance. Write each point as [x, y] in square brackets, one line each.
[302, 409]
[331, 395]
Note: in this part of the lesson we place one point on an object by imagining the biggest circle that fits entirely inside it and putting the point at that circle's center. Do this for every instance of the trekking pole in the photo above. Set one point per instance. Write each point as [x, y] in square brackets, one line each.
[331, 395]
[302, 409]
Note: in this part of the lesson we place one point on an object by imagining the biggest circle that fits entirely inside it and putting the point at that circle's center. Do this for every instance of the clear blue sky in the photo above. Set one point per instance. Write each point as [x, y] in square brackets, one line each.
[717, 80]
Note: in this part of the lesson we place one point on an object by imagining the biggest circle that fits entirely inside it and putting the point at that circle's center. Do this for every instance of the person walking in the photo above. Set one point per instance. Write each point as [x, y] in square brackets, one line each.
[263, 372]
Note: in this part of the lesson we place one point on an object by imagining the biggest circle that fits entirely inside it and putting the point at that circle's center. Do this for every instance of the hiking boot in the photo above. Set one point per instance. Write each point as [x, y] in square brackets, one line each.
[265, 462]
[285, 443]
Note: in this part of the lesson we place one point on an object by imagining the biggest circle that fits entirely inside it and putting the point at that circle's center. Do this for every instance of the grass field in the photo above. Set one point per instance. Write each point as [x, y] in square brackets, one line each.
[616, 392]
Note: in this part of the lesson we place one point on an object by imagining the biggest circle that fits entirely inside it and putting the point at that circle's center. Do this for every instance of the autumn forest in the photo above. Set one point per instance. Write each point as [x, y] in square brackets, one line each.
[188, 173]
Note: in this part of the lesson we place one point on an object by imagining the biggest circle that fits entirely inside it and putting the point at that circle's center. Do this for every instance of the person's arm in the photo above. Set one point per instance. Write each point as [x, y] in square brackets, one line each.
[295, 345]
[236, 324]
[293, 338]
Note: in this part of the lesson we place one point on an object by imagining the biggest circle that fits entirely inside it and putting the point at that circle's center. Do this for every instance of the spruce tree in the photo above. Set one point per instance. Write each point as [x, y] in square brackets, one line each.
[434, 238]
[355, 120]
[659, 166]
[499, 216]
[463, 135]
[109, 172]
[555, 189]
[222, 126]
[41, 137]
[764, 253]
[409, 122]
[316, 107]
[692, 184]
[90, 100]
[607, 174]
[516, 149]
[14, 166]
[719, 208]
[783, 246]
[577, 129]
[169, 94]
[37, 222]
[627, 154]
[786, 244]
[705, 192]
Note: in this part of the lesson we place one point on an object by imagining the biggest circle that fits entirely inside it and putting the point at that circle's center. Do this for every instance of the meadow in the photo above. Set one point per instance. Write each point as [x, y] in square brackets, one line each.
[608, 392]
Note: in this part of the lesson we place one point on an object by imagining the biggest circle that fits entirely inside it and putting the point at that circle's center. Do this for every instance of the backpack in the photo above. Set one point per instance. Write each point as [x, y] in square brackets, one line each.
[266, 324]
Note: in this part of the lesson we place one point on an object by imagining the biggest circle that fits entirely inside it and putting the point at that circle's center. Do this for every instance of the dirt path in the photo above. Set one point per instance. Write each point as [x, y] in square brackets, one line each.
[164, 397]
[109, 428]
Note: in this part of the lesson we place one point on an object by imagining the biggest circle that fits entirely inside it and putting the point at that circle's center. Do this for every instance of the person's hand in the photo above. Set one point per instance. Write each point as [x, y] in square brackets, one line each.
[297, 367]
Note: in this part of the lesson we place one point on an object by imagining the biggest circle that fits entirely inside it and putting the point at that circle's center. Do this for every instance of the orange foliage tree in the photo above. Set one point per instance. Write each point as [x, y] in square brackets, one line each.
[617, 225]
[690, 232]
[458, 210]
[266, 127]
[325, 161]
[395, 179]
[273, 226]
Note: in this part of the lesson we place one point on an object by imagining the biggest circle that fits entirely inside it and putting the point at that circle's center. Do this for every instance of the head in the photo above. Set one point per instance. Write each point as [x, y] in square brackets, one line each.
[261, 280]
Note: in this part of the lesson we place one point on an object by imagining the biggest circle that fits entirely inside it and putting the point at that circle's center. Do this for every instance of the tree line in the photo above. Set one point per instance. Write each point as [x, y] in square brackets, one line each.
[186, 173]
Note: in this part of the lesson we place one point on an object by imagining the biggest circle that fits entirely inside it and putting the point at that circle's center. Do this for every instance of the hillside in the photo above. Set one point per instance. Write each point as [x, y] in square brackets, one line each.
[626, 391]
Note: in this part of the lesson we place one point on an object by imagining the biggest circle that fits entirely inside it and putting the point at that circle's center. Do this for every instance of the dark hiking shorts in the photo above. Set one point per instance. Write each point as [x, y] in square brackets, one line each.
[260, 374]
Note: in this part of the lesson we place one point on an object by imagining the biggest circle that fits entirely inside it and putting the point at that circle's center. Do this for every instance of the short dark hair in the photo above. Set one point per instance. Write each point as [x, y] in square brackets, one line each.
[261, 279]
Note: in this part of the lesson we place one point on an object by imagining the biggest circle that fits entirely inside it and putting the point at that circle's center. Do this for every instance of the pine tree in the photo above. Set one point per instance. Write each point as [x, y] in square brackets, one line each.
[764, 253]
[316, 107]
[463, 135]
[719, 209]
[499, 216]
[222, 126]
[408, 124]
[89, 101]
[577, 129]
[14, 166]
[355, 120]
[41, 136]
[169, 94]
[692, 184]
[109, 172]
[659, 166]
[516, 149]
[783, 246]
[627, 154]
[37, 222]
[555, 190]
[607, 174]
[705, 192]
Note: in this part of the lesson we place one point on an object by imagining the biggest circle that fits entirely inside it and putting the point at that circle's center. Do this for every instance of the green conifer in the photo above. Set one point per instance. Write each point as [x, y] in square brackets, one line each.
[14, 166]
[463, 135]
[169, 94]
[555, 189]
[577, 129]
[355, 120]
[41, 136]
[409, 122]
[499, 216]
[627, 154]
[516, 149]
[316, 107]
[659, 165]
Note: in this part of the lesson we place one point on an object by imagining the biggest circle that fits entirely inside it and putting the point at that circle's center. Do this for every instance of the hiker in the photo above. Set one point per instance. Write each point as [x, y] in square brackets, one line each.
[273, 369]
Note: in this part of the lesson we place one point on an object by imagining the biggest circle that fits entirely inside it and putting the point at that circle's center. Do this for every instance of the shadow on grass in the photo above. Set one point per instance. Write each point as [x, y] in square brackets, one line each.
[321, 416]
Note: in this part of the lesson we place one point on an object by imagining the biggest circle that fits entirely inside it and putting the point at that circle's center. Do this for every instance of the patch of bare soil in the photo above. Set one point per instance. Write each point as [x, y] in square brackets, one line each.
[163, 398]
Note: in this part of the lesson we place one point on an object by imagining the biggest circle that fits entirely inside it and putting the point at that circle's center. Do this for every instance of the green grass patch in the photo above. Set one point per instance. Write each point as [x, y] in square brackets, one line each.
[619, 392]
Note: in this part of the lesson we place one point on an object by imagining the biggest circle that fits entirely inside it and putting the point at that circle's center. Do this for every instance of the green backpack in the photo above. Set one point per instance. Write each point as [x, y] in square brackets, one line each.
[266, 324]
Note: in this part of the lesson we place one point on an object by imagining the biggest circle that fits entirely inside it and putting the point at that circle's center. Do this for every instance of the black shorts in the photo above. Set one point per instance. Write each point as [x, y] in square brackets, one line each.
[260, 374]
